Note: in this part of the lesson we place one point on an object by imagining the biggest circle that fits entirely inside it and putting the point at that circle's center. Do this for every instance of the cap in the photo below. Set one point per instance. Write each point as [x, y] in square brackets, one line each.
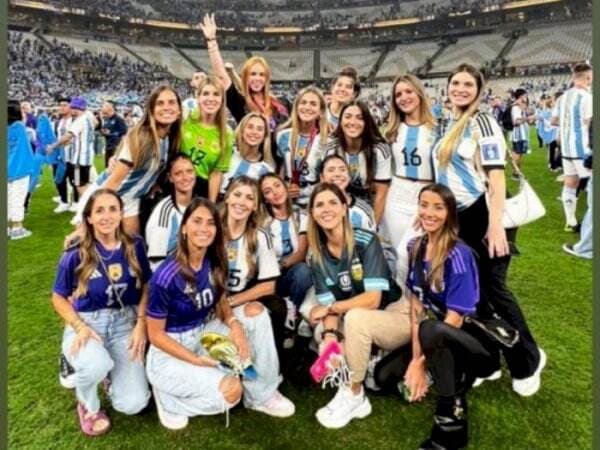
[78, 103]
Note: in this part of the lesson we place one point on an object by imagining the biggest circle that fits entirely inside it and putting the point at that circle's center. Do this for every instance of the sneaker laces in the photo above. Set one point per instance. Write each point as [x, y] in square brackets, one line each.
[338, 375]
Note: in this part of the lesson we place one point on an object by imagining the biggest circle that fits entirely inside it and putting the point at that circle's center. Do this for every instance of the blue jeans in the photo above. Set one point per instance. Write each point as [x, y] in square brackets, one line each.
[585, 245]
[129, 391]
[294, 283]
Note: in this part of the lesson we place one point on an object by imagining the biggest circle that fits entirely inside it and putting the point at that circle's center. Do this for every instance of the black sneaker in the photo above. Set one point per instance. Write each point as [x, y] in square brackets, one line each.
[573, 228]
[66, 373]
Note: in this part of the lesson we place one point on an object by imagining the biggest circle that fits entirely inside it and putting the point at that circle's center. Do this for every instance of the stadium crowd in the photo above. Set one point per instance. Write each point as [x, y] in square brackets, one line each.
[362, 233]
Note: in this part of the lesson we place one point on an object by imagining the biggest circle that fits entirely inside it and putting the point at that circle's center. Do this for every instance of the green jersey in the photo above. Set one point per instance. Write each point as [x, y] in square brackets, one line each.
[201, 143]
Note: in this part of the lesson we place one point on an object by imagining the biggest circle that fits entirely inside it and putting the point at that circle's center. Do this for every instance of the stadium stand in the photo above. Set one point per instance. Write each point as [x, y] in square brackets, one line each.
[475, 50]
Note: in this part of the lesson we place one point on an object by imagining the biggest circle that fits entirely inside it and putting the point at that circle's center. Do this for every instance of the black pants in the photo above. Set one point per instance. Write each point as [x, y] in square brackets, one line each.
[201, 187]
[278, 312]
[455, 357]
[523, 358]
[62, 186]
[108, 153]
[540, 141]
[554, 155]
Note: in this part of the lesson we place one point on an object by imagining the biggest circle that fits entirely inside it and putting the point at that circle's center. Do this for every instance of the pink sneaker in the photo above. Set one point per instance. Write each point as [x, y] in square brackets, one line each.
[322, 365]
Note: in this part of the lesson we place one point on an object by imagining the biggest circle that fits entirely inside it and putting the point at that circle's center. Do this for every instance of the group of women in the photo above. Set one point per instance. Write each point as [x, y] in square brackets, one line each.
[379, 240]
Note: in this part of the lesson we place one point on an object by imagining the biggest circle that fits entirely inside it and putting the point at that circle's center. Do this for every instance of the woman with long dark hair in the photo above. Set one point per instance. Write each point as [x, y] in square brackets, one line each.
[187, 299]
[101, 293]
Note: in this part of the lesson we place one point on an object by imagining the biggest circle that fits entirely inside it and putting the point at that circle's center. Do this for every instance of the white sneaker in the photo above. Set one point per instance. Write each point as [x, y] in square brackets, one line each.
[276, 406]
[61, 208]
[167, 419]
[304, 329]
[344, 407]
[560, 178]
[526, 387]
[73, 207]
[56, 199]
[494, 376]
[19, 233]
[74, 220]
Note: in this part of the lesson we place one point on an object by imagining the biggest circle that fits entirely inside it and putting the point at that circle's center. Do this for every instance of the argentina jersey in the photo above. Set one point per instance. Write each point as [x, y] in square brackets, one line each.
[332, 120]
[62, 127]
[411, 153]
[187, 106]
[285, 233]
[574, 109]
[162, 229]
[82, 130]
[357, 166]
[519, 132]
[240, 274]
[140, 180]
[482, 141]
[240, 166]
[361, 215]
[306, 164]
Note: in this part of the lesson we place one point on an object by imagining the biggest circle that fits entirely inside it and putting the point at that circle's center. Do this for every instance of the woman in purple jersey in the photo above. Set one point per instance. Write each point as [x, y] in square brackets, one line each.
[443, 288]
[187, 299]
[101, 293]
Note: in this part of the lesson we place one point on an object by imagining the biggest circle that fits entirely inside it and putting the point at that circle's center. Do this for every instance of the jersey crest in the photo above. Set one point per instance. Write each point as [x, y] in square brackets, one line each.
[115, 271]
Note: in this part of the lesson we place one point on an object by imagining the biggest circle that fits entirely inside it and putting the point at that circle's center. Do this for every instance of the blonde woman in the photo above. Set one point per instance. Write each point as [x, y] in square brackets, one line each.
[252, 156]
[300, 142]
[101, 293]
[355, 293]
[255, 78]
[469, 159]
[207, 138]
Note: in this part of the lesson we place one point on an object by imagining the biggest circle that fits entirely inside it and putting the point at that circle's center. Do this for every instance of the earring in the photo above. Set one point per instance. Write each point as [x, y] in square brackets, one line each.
[184, 236]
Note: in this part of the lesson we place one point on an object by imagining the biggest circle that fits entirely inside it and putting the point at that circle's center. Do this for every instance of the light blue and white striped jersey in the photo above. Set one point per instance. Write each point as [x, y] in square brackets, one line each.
[62, 127]
[357, 165]
[161, 230]
[139, 180]
[267, 268]
[573, 108]
[238, 166]
[82, 129]
[332, 120]
[411, 153]
[519, 132]
[187, 106]
[306, 160]
[361, 215]
[285, 233]
[481, 144]
[548, 132]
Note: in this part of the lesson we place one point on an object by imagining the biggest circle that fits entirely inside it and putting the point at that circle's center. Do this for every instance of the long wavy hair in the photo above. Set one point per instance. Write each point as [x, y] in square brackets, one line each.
[316, 236]
[143, 139]
[370, 137]
[397, 116]
[447, 239]
[270, 101]
[451, 139]
[221, 116]
[267, 207]
[252, 224]
[88, 253]
[265, 146]
[215, 252]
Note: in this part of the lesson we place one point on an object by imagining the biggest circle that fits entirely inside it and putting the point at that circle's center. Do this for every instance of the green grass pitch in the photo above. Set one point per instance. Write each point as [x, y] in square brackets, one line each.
[553, 288]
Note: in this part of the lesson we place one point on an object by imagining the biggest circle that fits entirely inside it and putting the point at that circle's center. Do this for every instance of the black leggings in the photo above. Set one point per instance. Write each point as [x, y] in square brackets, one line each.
[278, 312]
[554, 155]
[455, 357]
[523, 358]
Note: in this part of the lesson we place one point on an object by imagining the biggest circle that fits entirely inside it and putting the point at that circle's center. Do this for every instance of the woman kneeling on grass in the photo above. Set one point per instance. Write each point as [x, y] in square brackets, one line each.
[444, 287]
[106, 277]
[187, 299]
[354, 288]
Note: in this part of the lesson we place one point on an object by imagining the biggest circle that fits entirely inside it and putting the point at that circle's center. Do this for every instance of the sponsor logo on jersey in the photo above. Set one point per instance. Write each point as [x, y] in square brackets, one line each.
[115, 271]
[345, 281]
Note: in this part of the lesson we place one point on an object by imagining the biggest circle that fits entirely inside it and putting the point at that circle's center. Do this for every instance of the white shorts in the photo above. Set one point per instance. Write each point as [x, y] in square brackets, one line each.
[131, 207]
[574, 167]
[15, 195]
[400, 209]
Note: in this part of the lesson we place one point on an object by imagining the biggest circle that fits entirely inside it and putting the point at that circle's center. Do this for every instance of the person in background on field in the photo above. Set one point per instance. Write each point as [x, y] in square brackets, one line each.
[113, 129]
[190, 104]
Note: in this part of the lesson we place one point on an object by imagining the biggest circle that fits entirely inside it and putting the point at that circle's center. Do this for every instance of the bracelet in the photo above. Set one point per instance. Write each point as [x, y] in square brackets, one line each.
[230, 300]
[337, 333]
[141, 317]
[212, 39]
[231, 320]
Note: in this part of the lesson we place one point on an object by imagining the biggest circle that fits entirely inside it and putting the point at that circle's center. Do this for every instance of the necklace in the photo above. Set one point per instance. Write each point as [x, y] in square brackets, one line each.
[110, 255]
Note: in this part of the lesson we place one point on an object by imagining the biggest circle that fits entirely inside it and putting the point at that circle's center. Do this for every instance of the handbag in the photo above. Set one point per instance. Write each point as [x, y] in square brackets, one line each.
[523, 208]
[496, 328]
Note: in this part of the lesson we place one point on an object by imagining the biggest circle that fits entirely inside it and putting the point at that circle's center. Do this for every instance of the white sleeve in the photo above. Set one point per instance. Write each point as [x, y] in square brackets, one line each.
[157, 233]
[556, 109]
[302, 222]
[383, 162]
[515, 113]
[492, 145]
[266, 260]
[587, 107]
[125, 152]
[77, 126]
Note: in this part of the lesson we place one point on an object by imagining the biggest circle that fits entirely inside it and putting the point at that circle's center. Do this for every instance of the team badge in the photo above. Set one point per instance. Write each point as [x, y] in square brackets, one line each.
[345, 281]
[231, 254]
[357, 272]
[115, 271]
[301, 153]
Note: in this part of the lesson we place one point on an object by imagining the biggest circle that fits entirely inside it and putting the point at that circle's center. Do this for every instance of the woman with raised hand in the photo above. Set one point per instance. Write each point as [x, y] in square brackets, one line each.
[187, 299]
[287, 228]
[253, 267]
[207, 139]
[345, 87]
[101, 293]
[141, 157]
[255, 78]
[334, 169]
[163, 225]
[252, 156]
[469, 159]
[358, 140]
[300, 144]
[354, 293]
